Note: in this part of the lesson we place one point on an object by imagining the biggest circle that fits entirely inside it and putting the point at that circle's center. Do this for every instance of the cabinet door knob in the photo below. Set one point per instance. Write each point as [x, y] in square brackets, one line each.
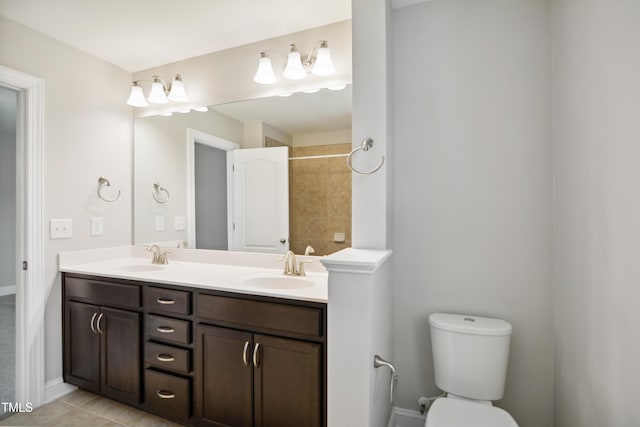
[165, 394]
[92, 319]
[245, 353]
[165, 358]
[165, 329]
[256, 360]
[98, 323]
[165, 301]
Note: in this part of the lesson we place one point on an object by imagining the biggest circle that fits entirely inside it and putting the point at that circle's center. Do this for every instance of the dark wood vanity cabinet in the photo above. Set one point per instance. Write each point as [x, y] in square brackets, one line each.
[245, 377]
[257, 380]
[198, 357]
[101, 343]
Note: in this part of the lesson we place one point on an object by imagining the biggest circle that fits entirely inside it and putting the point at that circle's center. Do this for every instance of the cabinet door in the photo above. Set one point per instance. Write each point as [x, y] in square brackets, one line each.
[224, 394]
[82, 346]
[121, 354]
[287, 383]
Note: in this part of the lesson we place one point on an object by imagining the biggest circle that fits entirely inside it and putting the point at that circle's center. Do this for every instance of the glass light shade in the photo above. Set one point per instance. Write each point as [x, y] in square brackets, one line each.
[323, 65]
[265, 74]
[136, 98]
[157, 95]
[294, 69]
[177, 92]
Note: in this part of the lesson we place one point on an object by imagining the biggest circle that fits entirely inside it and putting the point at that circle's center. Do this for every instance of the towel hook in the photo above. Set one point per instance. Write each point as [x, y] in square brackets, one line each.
[102, 183]
[378, 362]
[366, 144]
[157, 188]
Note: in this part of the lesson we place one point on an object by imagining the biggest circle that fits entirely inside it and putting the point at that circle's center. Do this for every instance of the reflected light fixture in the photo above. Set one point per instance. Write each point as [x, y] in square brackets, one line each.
[160, 93]
[296, 69]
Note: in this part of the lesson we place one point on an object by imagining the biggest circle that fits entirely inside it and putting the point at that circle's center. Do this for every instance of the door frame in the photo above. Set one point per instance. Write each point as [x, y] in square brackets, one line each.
[195, 136]
[31, 289]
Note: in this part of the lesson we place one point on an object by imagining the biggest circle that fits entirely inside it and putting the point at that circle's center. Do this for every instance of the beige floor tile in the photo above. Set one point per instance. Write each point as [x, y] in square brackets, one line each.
[78, 397]
[114, 411]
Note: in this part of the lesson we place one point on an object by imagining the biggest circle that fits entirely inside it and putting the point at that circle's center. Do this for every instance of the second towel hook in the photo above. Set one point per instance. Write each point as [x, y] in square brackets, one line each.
[366, 144]
[157, 188]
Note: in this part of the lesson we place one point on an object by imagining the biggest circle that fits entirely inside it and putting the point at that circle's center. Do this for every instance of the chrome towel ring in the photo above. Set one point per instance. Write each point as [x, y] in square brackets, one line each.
[157, 189]
[102, 183]
[366, 144]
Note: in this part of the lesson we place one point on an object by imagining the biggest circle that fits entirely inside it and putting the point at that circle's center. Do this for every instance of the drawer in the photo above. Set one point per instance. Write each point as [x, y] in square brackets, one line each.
[167, 395]
[249, 314]
[162, 300]
[102, 293]
[167, 357]
[168, 329]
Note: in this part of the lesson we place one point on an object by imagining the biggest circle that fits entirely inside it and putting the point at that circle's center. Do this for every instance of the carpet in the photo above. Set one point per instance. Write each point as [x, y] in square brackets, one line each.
[7, 350]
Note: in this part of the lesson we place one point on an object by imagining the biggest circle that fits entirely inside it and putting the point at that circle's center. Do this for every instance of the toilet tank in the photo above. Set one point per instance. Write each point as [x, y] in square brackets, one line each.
[470, 355]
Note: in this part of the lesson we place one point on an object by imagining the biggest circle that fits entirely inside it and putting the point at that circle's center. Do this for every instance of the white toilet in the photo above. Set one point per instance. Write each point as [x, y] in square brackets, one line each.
[470, 357]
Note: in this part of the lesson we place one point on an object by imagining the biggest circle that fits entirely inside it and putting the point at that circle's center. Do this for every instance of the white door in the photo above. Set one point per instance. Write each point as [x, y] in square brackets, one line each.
[260, 200]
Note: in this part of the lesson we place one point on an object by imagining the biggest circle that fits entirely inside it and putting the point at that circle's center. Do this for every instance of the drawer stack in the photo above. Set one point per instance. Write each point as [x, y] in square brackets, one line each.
[168, 352]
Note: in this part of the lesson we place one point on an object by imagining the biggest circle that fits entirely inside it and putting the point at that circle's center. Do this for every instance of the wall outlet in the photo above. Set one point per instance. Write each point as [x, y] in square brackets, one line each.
[180, 223]
[60, 229]
[97, 226]
[338, 237]
[159, 223]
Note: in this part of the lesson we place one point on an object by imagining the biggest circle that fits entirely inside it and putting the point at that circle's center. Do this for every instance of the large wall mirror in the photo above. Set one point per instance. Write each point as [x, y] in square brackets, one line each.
[265, 174]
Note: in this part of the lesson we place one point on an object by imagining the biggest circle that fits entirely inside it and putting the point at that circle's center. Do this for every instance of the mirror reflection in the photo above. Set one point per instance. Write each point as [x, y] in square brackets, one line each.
[262, 175]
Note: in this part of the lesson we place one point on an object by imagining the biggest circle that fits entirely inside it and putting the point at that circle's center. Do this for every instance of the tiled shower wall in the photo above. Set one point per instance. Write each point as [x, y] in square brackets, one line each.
[319, 199]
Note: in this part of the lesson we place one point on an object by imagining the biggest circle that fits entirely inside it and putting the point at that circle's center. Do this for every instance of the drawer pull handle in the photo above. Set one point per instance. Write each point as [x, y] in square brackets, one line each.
[165, 358]
[165, 301]
[256, 361]
[165, 394]
[245, 353]
[165, 329]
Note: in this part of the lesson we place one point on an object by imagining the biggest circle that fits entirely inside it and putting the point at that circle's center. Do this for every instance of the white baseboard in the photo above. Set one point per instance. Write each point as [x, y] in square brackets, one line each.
[7, 290]
[56, 388]
[405, 418]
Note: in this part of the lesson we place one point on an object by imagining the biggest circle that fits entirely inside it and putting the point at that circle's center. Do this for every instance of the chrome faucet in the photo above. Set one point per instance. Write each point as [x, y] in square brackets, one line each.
[291, 268]
[159, 256]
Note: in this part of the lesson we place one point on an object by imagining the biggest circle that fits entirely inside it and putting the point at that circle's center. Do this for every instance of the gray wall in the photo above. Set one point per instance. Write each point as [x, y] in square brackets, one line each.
[211, 197]
[473, 194]
[8, 109]
[86, 136]
[597, 212]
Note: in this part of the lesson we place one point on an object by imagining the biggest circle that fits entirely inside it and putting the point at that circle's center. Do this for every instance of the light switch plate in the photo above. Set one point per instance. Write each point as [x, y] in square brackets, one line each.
[60, 229]
[97, 226]
[338, 237]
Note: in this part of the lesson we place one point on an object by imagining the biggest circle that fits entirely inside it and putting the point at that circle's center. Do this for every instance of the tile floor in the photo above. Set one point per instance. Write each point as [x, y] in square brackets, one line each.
[80, 408]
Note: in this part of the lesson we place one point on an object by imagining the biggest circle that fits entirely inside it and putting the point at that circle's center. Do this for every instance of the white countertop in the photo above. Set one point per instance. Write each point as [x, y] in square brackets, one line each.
[216, 270]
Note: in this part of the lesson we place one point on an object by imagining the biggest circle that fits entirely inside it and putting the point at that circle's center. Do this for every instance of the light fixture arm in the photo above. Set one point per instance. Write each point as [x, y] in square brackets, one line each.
[310, 58]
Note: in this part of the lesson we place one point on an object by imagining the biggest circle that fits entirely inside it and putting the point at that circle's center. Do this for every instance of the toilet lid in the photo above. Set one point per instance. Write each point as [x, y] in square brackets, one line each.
[450, 412]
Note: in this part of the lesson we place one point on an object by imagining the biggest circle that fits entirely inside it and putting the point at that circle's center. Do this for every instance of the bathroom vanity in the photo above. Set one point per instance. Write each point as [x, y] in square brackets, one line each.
[211, 351]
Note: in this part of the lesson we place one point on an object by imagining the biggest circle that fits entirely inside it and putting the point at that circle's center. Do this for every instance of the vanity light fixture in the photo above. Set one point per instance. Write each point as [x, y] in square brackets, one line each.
[320, 65]
[160, 93]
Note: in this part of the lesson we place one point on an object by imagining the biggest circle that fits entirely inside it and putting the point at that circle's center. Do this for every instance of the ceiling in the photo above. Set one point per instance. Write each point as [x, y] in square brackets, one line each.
[139, 34]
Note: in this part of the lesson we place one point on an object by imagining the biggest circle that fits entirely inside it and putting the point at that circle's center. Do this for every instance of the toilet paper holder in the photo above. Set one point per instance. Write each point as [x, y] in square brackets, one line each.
[378, 362]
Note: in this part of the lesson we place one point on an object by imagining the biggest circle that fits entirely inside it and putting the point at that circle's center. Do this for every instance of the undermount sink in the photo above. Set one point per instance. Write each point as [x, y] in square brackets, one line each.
[279, 282]
[140, 268]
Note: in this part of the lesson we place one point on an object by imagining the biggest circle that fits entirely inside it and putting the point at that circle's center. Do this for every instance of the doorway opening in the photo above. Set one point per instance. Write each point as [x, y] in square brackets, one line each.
[8, 261]
[28, 263]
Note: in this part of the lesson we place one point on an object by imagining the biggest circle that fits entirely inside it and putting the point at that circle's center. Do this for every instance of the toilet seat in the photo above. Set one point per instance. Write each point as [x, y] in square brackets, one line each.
[448, 412]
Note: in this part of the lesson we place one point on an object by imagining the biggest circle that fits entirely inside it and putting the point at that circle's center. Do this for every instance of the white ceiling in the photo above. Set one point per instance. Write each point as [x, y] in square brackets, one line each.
[140, 34]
